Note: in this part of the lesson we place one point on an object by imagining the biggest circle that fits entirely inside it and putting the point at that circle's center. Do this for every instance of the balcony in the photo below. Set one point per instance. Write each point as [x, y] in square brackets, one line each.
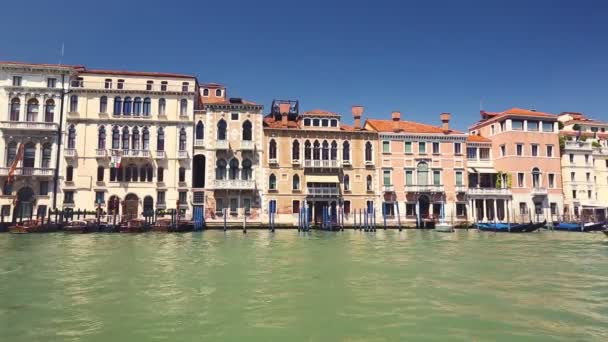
[160, 155]
[460, 188]
[388, 188]
[182, 154]
[222, 145]
[28, 171]
[273, 161]
[199, 142]
[424, 188]
[488, 192]
[600, 151]
[295, 161]
[321, 163]
[130, 153]
[578, 146]
[539, 191]
[346, 163]
[70, 153]
[323, 192]
[101, 153]
[21, 125]
[247, 145]
[234, 184]
[369, 163]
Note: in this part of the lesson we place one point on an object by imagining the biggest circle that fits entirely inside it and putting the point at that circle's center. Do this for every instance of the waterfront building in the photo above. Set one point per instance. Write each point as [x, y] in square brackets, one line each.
[584, 165]
[128, 141]
[423, 169]
[314, 161]
[227, 164]
[31, 103]
[525, 153]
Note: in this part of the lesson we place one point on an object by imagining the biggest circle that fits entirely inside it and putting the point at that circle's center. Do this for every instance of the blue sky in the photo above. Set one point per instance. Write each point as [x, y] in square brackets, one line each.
[419, 57]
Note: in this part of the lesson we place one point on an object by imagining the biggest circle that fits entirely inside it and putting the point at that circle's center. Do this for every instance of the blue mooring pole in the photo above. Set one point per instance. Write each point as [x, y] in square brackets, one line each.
[384, 214]
[398, 217]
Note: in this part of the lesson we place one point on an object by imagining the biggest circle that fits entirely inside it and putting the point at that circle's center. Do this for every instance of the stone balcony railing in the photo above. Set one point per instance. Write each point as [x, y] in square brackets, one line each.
[222, 145]
[24, 125]
[388, 188]
[424, 188]
[489, 192]
[323, 192]
[199, 142]
[539, 191]
[69, 152]
[182, 154]
[578, 145]
[234, 184]
[135, 153]
[28, 171]
[247, 145]
[101, 153]
[600, 151]
[321, 163]
[160, 155]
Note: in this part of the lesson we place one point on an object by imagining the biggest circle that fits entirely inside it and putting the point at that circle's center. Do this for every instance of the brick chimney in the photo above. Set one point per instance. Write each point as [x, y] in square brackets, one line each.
[445, 121]
[284, 109]
[357, 113]
[396, 116]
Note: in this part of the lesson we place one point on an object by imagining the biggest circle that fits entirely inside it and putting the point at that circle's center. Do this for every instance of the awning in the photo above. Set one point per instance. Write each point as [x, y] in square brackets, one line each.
[481, 170]
[322, 179]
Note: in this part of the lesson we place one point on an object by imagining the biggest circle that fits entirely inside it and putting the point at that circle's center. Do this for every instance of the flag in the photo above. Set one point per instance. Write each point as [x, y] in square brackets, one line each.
[18, 157]
[116, 159]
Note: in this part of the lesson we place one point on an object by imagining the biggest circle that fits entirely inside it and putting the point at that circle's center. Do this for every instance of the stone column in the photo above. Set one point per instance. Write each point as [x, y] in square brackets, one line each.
[495, 212]
[484, 214]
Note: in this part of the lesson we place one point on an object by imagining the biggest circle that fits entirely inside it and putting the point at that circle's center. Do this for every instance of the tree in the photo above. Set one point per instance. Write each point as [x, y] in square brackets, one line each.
[576, 127]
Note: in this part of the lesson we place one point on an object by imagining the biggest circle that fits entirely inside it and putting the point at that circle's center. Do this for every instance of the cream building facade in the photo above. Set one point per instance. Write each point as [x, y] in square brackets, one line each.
[128, 141]
[31, 99]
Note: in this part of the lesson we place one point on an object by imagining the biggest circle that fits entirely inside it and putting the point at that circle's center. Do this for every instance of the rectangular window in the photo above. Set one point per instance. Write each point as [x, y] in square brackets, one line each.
[51, 82]
[234, 116]
[459, 178]
[247, 206]
[461, 209]
[333, 123]
[386, 147]
[44, 188]
[552, 180]
[408, 147]
[520, 150]
[163, 86]
[517, 125]
[272, 206]
[523, 208]
[547, 126]
[457, 148]
[346, 207]
[493, 129]
[571, 156]
[421, 147]
[99, 197]
[534, 150]
[435, 148]
[594, 129]
[386, 179]
[17, 81]
[573, 193]
[503, 126]
[68, 197]
[436, 177]
[234, 206]
[120, 84]
[520, 179]
[324, 123]
[183, 197]
[6, 210]
[160, 197]
[410, 209]
[588, 176]
[149, 85]
[586, 159]
[572, 176]
[533, 126]
[589, 194]
[409, 177]
[295, 205]
[549, 150]
[315, 122]
[108, 83]
[185, 86]
[219, 206]
[484, 153]
[553, 206]
[472, 153]
[503, 150]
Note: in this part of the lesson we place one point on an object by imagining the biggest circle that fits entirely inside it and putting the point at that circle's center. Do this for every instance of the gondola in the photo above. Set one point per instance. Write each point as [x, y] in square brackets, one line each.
[577, 227]
[133, 226]
[30, 226]
[605, 232]
[77, 227]
[510, 227]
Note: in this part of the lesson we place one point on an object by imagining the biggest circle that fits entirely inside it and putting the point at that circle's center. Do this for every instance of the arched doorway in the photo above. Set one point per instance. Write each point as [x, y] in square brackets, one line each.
[131, 206]
[424, 204]
[113, 205]
[25, 198]
[198, 171]
[148, 205]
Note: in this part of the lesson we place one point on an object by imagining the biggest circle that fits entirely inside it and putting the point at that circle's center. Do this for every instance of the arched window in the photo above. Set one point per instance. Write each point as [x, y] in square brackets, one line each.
[125, 138]
[101, 138]
[46, 155]
[307, 150]
[246, 173]
[247, 130]
[11, 153]
[69, 173]
[127, 106]
[72, 137]
[182, 139]
[234, 169]
[149, 172]
[103, 104]
[117, 105]
[49, 111]
[325, 153]
[15, 109]
[334, 150]
[346, 150]
[218, 92]
[29, 155]
[146, 109]
[135, 138]
[32, 111]
[182, 174]
[162, 106]
[143, 172]
[74, 103]
[200, 130]
[536, 178]
[145, 140]
[137, 106]
[221, 130]
[183, 107]
[128, 173]
[134, 172]
[272, 182]
[369, 183]
[422, 174]
[295, 184]
[368, 151]
[205, 92]
[115, 138]
[120, 172]
[220, 171]
[160, 174]
[295, 150]
[346, 183]
[272, 150]
[316, 150]
[148, 204]
[160, 140]
[100, 173]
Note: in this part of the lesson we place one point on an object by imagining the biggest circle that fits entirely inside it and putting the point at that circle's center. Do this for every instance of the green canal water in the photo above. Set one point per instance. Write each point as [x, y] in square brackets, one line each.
[290, 286]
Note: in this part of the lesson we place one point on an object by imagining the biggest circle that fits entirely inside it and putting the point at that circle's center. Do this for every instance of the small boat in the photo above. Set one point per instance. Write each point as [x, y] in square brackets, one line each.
[162, 225]
[593, 226]
[577, 227]
[605, 232]
[444, 227]
[29, 226]
[76, 227]
[510, 227]
[133, 226]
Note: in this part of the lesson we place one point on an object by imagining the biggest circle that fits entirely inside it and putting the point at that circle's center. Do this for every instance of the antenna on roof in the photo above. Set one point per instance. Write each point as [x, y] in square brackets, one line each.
[62, 52]
[481, 104]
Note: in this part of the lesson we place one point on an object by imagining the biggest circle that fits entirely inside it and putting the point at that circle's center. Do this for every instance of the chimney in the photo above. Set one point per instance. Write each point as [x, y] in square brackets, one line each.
[396, 116]
[445, 121]
[284, 108]
[357, 112]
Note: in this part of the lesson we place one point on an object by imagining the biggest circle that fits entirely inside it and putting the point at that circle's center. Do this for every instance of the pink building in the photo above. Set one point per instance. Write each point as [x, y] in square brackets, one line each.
[525, 162]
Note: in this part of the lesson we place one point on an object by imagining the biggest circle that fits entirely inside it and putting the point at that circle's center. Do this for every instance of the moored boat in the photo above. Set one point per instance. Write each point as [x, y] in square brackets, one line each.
[578, 227]
[133, 226]
[510, 227]
[444, 227]
[162, 225]
[29, 226]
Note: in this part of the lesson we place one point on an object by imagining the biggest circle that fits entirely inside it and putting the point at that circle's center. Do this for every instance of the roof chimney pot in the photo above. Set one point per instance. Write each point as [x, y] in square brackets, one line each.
[445, 121]
[357, 113]
[396, 115]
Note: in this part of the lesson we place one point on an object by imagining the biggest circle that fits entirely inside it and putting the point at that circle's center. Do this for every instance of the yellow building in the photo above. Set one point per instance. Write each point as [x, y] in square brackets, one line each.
[128, 141]
[313, 160]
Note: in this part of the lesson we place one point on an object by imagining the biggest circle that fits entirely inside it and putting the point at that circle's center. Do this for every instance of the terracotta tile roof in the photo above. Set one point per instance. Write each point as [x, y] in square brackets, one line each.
[270, 122]
[134, 73]
[219, 100]
[211, 85]
[489, 117]
[478, 139]
[585, 121]
[527, 112]
[44, 64]
[320, 112]
[406, 127]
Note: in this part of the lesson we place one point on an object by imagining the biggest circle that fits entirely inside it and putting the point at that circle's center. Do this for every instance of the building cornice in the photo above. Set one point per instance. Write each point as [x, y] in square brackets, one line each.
[131, 92]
